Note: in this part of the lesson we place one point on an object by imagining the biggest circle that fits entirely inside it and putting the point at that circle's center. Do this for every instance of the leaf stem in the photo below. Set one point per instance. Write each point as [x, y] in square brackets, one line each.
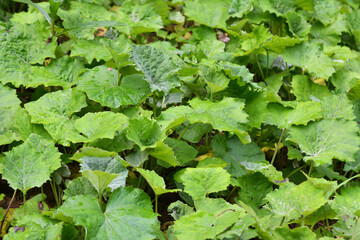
[354, 231]
[261, 71]
[293, 172]
[267, 63]
[156, 203]
[24, 197]
[277, 146]
[184, 131]
[154, 105]
[311, 167]
[7, 210]
[282, 221]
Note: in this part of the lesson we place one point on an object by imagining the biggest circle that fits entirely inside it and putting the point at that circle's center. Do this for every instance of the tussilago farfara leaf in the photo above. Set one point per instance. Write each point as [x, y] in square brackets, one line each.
[306, 90]
[62, 72]
[285, 233]
[212, 15]
[309, 57]
[158, 67]
[327, 11]
[54, 110]
[98, 50]
[155, 181]
[297, 24]
[104, 172]
[284, 117]
[145, 132]
[128, 215]
[30, 164]
[337, 107]
[279, 7]
[199, 182]
[101, 84]
[327, 139]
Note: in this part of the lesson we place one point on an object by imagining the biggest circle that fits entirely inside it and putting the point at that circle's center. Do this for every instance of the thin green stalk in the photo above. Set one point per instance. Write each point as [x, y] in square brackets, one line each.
[267, 63]
[154, 105]
[293, 172]
[355, 227]
[303, 221]
[311, 167]
[7, 210]
[55, 193]
[282, 221]
[343, 183]
[156, 203]
[184, 131]
[277, 146]
[52, 27]
[261, 71]
[326, 221]
[231, 193]
[162, 103]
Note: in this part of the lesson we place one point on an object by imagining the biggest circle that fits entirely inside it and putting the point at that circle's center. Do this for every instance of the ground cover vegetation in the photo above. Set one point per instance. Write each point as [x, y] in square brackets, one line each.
[175, 119]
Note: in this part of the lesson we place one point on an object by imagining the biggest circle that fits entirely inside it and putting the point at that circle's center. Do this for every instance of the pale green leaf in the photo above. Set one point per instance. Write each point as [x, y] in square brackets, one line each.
[199, 182]
[306, 90]
[327, 139]
[30, 164]
[158, 67]
[80, 186]
[279, 44]
[145, 132]
[213, 76]
[178, 209]
[155, 181]
[90, 50]
[128, 215]
[284, 117]
[101, 84]
[238, 8]
[347, 204]
[337, 107]
[327, 11]
[212, 15]
[297, 24]
[62, 72]
[309, 57]
[285, 233]
[100, 125]
[279, 7]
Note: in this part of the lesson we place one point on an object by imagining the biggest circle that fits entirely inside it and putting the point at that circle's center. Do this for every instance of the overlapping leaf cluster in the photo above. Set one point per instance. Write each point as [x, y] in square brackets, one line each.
[246, 111]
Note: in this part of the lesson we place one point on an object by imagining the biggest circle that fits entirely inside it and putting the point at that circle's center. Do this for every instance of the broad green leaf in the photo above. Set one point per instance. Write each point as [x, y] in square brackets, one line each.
[178, 209]
[337, 107]
[279, 44]
[279, 7]
[212, 15]
[119, 143]
[309, 57]
[211, 48]
[54, 110]
[213, 76]
[173, 116]
[327, 139]
[92, 152]
[327, 11]
[254, 40]
[104, 172]
[196, 131]
[145, 132]
[238, 8]
[255, 107]
[137, 158]
[9, 105]
[81, 13]
[155, 181]
[100, 125]
[224, 115]
[128, 215]
[80, 186]
[62, 72]
[285, 233]
[243, 158]
[30, 164]
[199, 182]
[101, 84]
[159, 69]
[284, 117]
[183, 151]
[306, 90]
[211, 163]
[98, 51]
[254, 196]
[165, 153]
[347, 204]
[345, 78]
[297, 24]
[139, 18]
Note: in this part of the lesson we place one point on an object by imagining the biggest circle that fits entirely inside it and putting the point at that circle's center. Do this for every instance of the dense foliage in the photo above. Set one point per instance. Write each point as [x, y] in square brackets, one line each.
[175, 119]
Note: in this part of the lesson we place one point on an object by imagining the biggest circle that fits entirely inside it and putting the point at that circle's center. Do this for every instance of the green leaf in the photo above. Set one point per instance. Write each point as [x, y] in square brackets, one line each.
[158, 67]
[156, 182]
[279, 44]
[213, 76]
[327, 139]
[178, 209]
[199, 182]
[286, 117]
[54, 111]
[92, 152]
[254, 40]
[104, 172]
[279, 7]
[327, 11]
[92, 125]
[145, 132]
[80, 186]
[137, 158]
[173, 116]
[224, 115]
[347, 204]
[128, 215]
[98, 51]
[238, 8]
[101, 85]
[30, 164]
[297, 24]
[165, 153]
[212, 15]
[309, 57]
[183, 151]
[119, 143]
[38, 7]
[196, 131]
[306, 90]
[337, 107]
[285, 233]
